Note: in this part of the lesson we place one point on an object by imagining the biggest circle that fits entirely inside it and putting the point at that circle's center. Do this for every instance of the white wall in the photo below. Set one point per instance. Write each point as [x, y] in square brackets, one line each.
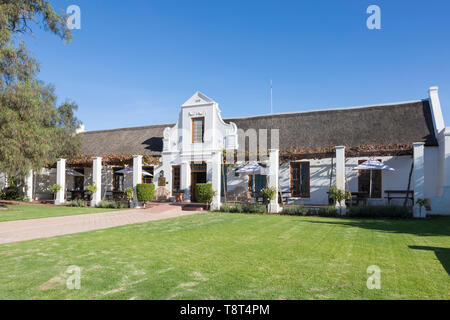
[320, 171]
[433, 180]
[44, 179]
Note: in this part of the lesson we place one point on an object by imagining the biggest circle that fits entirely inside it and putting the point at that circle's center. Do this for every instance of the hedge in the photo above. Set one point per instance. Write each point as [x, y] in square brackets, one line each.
[111, 204]
[304, 211]
[75, 203]
[353, 211]
[145, 192]
[243, 208]
[204, 192]
[379, 212]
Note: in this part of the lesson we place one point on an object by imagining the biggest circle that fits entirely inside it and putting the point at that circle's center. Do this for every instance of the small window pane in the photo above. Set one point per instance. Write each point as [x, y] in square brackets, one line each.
[198, 129]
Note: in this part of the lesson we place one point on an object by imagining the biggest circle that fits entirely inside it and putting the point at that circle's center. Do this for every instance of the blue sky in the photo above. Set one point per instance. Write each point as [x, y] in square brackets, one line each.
[134, 63]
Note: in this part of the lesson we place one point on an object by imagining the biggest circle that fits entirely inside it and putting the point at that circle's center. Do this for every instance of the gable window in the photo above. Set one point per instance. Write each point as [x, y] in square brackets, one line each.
[364, 182]
[198, 130]
[300, 179]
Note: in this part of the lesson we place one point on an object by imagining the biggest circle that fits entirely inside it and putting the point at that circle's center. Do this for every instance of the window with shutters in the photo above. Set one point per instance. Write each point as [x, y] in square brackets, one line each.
[300, 179]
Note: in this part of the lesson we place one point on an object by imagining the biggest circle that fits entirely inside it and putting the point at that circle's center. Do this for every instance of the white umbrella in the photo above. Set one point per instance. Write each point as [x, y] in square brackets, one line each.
[130, 170]
[373, 164]
[251, 168]
[71, 172]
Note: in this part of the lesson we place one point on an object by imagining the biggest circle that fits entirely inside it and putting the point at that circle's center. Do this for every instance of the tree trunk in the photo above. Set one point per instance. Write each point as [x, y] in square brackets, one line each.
[409, 184]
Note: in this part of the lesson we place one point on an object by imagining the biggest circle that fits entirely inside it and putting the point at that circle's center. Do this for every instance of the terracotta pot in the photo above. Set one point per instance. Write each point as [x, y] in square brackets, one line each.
[179, 197]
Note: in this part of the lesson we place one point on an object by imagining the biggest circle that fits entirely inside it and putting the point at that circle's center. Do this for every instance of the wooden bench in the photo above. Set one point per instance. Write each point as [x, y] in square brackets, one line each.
[399, 194]
[284, 197]
[357, 198]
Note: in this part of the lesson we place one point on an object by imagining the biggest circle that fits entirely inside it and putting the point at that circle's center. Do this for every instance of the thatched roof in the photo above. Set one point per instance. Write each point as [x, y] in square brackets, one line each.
[300, 132]
[130, 141]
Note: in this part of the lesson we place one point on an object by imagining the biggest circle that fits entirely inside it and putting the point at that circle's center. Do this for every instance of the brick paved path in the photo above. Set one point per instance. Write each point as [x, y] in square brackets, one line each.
[13, 231]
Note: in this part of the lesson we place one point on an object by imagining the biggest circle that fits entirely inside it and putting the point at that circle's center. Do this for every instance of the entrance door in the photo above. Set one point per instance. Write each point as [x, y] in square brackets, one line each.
[198, 175]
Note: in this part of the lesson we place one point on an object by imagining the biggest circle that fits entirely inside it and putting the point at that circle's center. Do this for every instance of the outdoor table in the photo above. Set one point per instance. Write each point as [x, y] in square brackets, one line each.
[77, 194]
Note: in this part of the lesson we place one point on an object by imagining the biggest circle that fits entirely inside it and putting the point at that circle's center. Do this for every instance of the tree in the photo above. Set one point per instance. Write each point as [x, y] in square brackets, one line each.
[34, 131]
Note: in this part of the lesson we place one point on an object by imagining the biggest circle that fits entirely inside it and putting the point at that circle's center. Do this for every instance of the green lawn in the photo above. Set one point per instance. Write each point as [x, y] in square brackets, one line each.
[24, 212]
[236, 256]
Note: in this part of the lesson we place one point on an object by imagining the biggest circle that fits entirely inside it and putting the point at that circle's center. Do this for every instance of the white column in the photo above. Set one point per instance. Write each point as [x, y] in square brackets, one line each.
[97, 180]
[216, 166]
[29, 185]
[419, 178]
[274, 166]
[446, 157]
[185, 180]
[61, 180]
[340, 175]
[137, 176]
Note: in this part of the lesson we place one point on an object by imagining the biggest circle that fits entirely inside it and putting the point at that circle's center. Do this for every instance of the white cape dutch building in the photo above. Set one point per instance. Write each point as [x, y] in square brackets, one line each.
[305, 152]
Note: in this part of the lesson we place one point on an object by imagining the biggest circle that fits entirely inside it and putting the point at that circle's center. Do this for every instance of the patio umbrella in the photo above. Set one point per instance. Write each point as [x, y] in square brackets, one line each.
[251, 168]
[71, 172]
[130, 170]
[373, 164]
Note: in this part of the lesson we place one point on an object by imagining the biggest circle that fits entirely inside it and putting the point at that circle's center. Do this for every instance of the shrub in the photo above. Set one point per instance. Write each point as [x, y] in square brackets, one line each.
[304, 211]
[254, 208]
[295, 211]
[145, 192]
[105, 204]
[11, 193]
[326, 212]
[379, 212]
[233, 208]
[243, 208]
[75, 203]
[204, 192]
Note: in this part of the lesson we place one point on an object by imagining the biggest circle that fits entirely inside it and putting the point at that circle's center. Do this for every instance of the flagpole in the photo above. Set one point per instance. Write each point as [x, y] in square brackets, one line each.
[271, 103]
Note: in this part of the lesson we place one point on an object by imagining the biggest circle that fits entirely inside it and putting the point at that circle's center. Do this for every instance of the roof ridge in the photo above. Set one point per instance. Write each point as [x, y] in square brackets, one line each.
[392, 104]
[130, 128]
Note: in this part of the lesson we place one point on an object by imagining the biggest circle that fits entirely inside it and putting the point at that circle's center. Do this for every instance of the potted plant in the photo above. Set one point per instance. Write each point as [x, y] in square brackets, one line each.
[269, 194]
[129, 193]
[338, 196]
[54, 188]
[421, 203]
[179, 195]
[92, 188]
